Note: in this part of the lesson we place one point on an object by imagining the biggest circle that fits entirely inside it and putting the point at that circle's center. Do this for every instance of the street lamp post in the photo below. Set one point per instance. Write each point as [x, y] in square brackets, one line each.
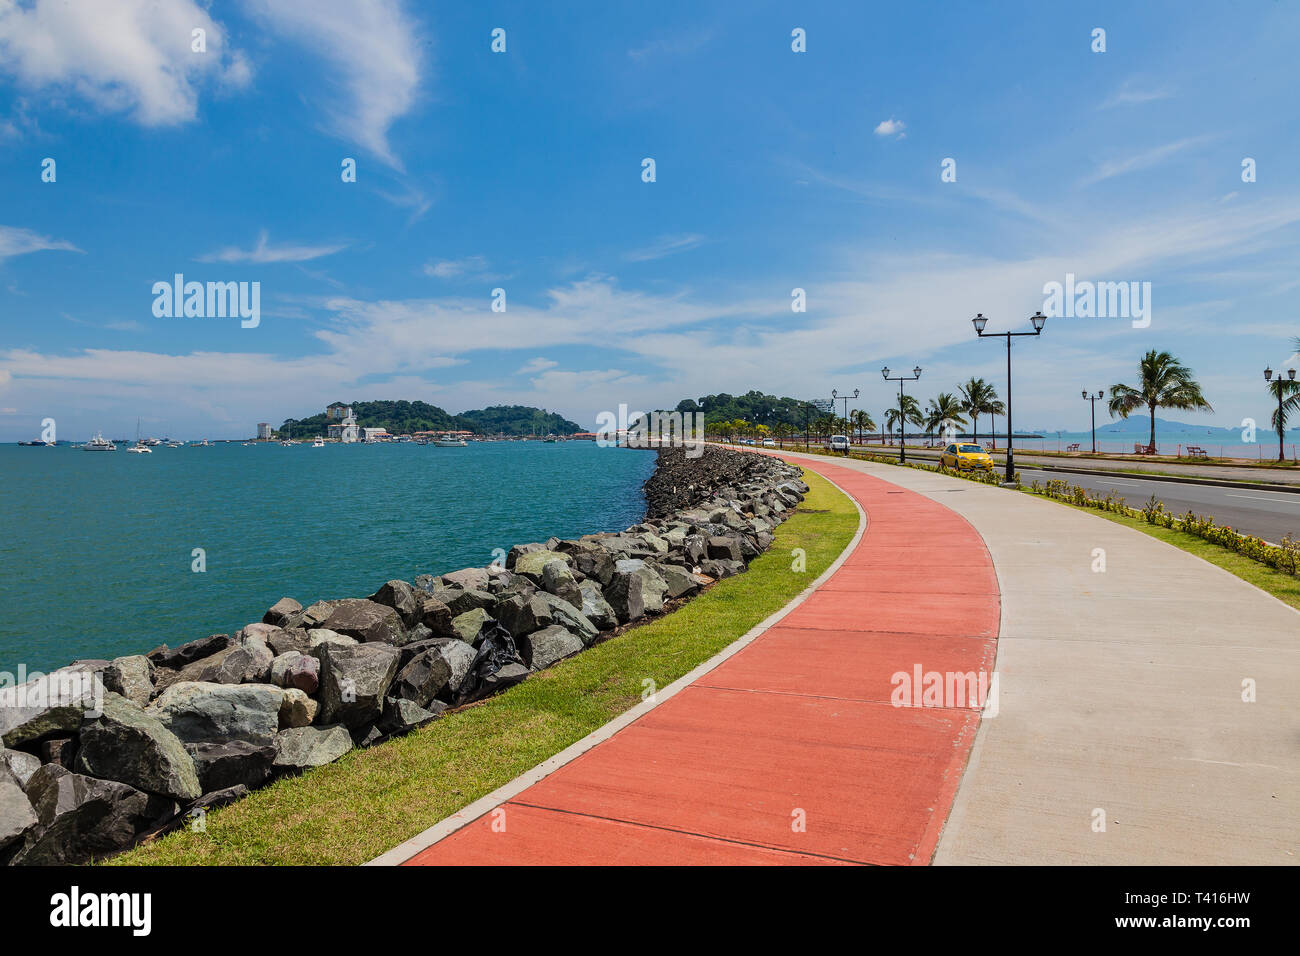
[1281, 432]
[1093, 400]
[902, 420]
[845, 399]
[1038, 319]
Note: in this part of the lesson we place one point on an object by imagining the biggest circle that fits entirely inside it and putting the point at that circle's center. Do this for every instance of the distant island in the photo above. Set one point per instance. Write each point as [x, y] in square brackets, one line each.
[405, 418]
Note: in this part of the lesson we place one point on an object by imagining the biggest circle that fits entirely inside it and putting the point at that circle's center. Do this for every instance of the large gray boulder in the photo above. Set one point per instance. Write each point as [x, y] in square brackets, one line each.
[128, 745]
[248, 663]
[366, 621]
[401, 597]
[557, 579]
[354, 682]
[425, 675]
[132, 677]
[472, 579]
[520, 614]
[48, 706]
[466, 626]
[533, 564]
[636, 590]
[459, 600]
[519, 550]
[229, 763]
[196, 711]
[543, 648]
[300, 748]
[286, 639]
[594, 606]
[21, 765]
[80, 818]
[725, 548]
[319, 636]
[16, 813]
[680, 582]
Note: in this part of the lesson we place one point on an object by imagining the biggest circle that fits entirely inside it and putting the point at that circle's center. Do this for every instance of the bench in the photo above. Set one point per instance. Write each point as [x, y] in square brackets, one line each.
[1196, 451]
[1072, 447]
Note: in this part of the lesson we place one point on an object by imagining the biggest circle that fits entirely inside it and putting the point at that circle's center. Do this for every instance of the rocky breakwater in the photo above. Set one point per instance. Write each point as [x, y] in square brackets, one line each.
[101, 754]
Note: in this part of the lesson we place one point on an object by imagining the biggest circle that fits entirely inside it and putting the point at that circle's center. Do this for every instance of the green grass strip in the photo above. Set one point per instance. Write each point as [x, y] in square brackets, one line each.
[371, 800]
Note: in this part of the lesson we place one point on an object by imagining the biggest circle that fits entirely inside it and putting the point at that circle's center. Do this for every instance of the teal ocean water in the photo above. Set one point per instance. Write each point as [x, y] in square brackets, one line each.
[96, 549]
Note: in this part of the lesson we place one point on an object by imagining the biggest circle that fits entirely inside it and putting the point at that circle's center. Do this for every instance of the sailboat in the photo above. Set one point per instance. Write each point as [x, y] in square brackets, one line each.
[139, 448]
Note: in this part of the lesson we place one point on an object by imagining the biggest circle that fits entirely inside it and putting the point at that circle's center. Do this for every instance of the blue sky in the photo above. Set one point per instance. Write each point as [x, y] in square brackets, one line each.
[522, 170]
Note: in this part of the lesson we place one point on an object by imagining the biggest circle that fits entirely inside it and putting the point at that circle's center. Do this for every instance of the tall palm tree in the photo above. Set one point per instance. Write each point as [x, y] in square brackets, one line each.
[1163, 382]
[1286, 393]
[862, 421]
[944, 408]
[908, 411]
[978, 398]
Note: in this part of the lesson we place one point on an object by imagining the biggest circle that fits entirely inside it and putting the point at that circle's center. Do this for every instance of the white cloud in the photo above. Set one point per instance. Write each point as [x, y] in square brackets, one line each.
[373, 49]
[264, 253]
[664, 246]
[454, 268]
[1129, 95]
[1142, 160]
[17, 242]
[889, 127]
[535, 365]
[128, 55]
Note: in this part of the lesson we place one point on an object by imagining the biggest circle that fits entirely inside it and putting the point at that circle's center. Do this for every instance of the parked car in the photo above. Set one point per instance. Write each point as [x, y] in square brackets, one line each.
[838, 443]
[965, 457]
[768, 443]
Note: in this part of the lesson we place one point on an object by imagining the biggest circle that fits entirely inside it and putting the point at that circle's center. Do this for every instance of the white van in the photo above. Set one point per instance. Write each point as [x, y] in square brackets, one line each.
[838, 443]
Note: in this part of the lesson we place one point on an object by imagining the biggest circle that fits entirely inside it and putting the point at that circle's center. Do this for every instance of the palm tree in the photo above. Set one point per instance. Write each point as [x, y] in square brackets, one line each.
[980, 398]
[945, 408]
[1163, 382]
[862, 421]
[908, 411]
[1287, 394]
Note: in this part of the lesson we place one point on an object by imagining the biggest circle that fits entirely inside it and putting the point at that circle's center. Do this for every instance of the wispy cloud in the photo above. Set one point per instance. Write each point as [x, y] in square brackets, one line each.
[664, 246]
[678, 43]
[16, 242]
[455, 268]
[890, 127]
[127, 56]
[1142, 160]
[374, 51]
[1131, 95]
[263, 253]
[536, 365]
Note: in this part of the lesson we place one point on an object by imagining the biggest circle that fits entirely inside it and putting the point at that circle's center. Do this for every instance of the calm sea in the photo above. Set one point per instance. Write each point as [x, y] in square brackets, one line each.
[96, 552]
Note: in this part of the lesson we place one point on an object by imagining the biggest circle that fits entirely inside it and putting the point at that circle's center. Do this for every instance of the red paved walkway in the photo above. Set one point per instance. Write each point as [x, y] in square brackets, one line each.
[799, 720]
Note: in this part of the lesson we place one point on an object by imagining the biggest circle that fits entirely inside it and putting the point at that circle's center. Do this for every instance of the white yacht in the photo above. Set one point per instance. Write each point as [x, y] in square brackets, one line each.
[318, 443]
[99, 443]
[450, 442]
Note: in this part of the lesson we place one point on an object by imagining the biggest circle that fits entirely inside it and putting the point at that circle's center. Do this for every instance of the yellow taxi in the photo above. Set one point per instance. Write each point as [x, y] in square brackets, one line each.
[965, 457]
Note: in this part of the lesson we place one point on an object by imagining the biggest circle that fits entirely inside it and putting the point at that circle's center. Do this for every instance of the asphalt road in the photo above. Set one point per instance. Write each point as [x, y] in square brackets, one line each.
[1265, 514]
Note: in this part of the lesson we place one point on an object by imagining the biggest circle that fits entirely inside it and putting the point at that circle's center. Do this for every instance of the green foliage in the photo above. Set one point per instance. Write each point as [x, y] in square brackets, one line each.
[403, 418]
[754, 406]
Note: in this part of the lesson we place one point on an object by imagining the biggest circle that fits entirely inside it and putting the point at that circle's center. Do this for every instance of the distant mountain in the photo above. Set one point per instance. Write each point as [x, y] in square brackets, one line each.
[403, 418]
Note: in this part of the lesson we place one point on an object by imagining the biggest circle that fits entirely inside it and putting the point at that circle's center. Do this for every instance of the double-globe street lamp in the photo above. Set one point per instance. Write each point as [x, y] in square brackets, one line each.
[1093, 400]
[1281, 392]
[845, 399]
[1038, 320]
[902, 418]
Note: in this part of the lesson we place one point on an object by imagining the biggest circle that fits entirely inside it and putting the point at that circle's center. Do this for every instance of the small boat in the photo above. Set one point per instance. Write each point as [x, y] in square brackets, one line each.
[38, 443]
[139, 448]
[318, 443]
[99, 443]
[450, 442]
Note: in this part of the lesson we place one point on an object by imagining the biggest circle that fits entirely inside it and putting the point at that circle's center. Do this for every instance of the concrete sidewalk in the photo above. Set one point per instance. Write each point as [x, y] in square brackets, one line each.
[1121, 697]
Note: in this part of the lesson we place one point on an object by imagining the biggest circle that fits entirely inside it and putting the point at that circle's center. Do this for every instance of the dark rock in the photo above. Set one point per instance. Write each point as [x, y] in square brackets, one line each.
[354, 682]
[189, 653]
[543, 648]
[316, 615]
[635, 591]
[507, 676]
[425, 676]
[224, 764]
[435, 615]
[400, 596]
[294, 669]
[133, 747]
[680, 581]
[302, 747]
[460, 600]
[725, 548]
[466, 626]
[471, 579]
[557, 579]
[594, 606]
[716, 569]
[59, 750]
[366, 621]
[218, 798]
[248, 663]
[285, 612]
[401, 716]
[80, 818]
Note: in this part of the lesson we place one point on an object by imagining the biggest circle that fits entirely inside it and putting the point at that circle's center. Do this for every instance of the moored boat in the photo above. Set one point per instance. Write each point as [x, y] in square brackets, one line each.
[99, 443]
